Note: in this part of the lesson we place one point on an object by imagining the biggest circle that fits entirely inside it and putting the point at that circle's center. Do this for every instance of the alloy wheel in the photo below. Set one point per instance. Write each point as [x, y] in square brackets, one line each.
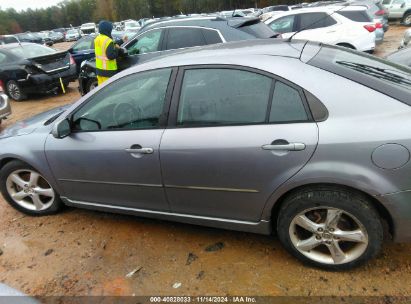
[30, 190]
[14, 90]
[407, 20]
[328, 235]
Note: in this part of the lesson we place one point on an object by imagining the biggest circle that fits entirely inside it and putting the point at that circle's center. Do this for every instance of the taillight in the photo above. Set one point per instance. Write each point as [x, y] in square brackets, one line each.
[1, 86]
[380, 12]
[378, 25]
[369, 28]
[72, 60]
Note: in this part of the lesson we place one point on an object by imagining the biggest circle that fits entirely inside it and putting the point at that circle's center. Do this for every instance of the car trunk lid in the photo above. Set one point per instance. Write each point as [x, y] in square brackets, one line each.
[52, 63]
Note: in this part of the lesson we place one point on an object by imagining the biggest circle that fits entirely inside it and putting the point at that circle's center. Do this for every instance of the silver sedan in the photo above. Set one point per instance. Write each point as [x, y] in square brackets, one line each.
[308, 141]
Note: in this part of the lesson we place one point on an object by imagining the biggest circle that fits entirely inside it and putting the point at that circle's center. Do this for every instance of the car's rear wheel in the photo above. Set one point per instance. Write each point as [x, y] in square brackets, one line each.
[15, 91]
[406, 20]
[330, 228]
[27, 190]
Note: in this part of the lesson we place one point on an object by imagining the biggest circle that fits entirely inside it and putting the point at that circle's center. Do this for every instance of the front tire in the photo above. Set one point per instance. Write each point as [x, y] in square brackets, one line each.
[91, 85]
[406, 20]
[15, 91]
[27, 190]
[330, 228]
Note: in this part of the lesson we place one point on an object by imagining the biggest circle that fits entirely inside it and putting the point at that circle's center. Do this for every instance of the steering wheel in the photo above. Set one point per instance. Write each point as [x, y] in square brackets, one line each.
[126, 114]
[143, 50]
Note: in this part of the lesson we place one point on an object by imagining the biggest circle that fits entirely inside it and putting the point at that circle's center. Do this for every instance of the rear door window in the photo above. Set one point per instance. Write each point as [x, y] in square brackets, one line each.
[211, 36]
[357, 16]
[310, 21]
[213, 97]
[287, 105]
[179, 38]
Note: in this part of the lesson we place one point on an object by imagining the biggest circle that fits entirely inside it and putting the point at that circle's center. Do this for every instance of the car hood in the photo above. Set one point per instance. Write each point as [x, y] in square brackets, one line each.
[29, 125]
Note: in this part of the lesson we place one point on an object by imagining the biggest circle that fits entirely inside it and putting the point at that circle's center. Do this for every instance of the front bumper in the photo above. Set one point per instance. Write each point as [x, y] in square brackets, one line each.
[45, 83]
[399, 206]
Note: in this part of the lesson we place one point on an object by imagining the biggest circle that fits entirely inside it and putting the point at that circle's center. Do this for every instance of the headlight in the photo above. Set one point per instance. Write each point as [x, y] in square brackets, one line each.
[83, 63]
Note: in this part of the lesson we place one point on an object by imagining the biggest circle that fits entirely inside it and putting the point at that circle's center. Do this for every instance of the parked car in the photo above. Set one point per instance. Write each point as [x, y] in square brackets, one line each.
[29, 37]
[314, 24]
[73, 35]
[56, 37]
[367, 16]
[88, 28]
[131, 25]
[46, 40]
[31, 68]
[62, 31]
[83, 50]
[6, 39]
[399, 9]
[402, 56]
[406, 39]
[5, 108]
[162, 37]
[250, 139]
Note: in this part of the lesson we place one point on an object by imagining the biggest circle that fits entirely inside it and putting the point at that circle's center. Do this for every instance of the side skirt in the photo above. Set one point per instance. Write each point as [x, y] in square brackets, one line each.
[262, 227]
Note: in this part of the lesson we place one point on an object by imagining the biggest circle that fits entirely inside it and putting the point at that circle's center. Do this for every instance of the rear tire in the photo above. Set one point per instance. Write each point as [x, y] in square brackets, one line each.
[330, 228]
[346, 45]
[26, 190]
[15, 91]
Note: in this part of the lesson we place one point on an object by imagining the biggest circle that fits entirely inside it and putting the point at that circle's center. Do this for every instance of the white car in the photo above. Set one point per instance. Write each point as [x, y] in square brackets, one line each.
[73, 35]
[327, 25]
[131, 26]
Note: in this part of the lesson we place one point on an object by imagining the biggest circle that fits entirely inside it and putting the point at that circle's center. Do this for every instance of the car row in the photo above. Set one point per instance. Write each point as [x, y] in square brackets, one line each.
[163, 37]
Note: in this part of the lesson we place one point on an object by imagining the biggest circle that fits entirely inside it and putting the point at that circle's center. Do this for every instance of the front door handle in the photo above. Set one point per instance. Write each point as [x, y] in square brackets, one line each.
[282, 145]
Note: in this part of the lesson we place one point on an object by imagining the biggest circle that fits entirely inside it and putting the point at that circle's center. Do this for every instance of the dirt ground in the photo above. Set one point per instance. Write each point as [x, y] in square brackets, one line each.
[82, 252]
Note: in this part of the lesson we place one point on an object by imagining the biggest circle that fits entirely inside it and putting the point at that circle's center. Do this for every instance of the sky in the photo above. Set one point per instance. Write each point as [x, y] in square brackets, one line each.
[19, 5]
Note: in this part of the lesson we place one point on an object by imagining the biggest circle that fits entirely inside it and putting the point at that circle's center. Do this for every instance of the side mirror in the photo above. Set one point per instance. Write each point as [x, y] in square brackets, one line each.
[62, 129]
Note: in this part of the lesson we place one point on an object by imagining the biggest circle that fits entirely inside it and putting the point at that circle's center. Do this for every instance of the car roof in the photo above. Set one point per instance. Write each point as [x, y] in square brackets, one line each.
[244, 49]
[319, 9]
[204, 21]
[14, 45]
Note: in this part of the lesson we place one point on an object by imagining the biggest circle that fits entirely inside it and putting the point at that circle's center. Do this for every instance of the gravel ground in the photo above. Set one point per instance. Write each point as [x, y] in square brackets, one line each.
[82, 252]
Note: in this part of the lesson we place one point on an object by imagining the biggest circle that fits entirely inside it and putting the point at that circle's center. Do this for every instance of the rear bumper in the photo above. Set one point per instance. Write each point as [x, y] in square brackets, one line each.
[43, 83]
[5, 108]
[399, 206]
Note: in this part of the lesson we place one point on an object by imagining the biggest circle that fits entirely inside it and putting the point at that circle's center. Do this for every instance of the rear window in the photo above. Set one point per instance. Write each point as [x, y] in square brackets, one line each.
[257, 30]
[381, 75]
[386, 2]
[357, 16]
[32, 50]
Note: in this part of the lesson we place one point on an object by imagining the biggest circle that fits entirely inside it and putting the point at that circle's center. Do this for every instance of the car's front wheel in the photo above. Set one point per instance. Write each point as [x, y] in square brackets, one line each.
[330, 228]
[27, 190]
[406, 20]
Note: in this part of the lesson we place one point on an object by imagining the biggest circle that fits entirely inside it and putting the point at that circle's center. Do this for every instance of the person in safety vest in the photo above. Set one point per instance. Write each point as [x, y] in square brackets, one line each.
[106, 52]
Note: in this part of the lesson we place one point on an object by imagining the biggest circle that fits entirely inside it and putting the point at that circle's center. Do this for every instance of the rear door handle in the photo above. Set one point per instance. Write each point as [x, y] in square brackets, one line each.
[137, 149]
[285, 147]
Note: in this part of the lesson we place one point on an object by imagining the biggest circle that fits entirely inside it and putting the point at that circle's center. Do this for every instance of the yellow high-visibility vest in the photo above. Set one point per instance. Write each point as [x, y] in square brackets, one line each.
[104, 66]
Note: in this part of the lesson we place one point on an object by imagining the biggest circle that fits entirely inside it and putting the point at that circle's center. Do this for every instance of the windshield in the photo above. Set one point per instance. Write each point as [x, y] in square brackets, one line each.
[32, 50]
[381, 75]
[72, 32]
